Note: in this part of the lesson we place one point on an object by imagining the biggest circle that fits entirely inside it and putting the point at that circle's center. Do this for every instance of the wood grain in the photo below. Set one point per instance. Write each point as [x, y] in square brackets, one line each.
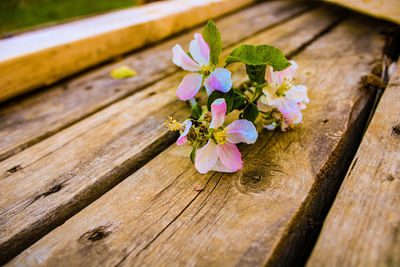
[250, 218]
[26, 121]
[384, 9]
[47, 183]
[62, 50]
[362, 228]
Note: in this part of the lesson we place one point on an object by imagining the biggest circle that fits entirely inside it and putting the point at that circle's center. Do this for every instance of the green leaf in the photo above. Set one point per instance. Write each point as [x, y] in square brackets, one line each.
[250, 112]
[193, 154]
[229, 97]
[213, 38]
[256, 73]
[123, 72]
[258, 55]
[238, 102]
[196, 111]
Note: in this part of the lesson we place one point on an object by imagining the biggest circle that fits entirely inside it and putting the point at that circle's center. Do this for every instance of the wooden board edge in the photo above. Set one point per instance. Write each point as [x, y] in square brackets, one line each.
[47, 64]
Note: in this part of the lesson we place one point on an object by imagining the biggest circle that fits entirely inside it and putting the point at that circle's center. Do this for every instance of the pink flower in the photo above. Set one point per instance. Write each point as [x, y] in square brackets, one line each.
[214, 78]
[220, 153]
[281, 93]
[182, 138]
[183, 128]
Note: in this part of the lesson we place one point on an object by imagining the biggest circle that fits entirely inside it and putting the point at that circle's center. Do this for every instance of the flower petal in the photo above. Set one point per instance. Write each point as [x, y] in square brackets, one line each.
[206, 157]
[298, 93]
[277, 77]
[182, 139]
[189, 86]
[270, 76]
[230, 156]
[241, 131]
[200, 50]
[180, 58]
[263, 107]
[287, 73]
[218, 110]
[219, 79]
[270, 127]
[219, 167]
[291, 111]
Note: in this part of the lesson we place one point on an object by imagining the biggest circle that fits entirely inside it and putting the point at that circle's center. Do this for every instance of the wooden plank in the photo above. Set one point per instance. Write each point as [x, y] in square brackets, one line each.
[384, 9]
[362, 228]
[49, 182]
[250, 218]
[35, 117]
[62, 50]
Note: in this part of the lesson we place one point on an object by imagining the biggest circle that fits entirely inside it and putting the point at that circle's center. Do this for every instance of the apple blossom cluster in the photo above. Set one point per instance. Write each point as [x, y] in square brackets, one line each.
[270, 96]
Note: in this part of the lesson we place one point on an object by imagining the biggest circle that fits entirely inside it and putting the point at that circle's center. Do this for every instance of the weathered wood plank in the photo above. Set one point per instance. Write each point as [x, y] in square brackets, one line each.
[362, 228]
[35, 117]
[253, 217]
[62, 50]
[385, 9]
[47, 183]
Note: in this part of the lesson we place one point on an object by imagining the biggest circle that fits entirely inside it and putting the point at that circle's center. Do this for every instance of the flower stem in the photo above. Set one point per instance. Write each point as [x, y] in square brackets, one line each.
[192, 102]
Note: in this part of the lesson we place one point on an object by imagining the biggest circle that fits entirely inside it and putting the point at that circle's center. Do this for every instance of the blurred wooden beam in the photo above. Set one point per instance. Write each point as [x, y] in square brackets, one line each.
[384, 9]
[42, 57]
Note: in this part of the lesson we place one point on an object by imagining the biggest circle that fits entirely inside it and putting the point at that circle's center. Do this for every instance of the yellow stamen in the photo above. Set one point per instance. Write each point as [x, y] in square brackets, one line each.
[173, 125]
[206, 69]
[285, 86]
[221, 137]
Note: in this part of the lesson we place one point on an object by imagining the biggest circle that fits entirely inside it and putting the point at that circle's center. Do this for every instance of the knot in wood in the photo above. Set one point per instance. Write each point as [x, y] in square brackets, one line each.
[255, 180]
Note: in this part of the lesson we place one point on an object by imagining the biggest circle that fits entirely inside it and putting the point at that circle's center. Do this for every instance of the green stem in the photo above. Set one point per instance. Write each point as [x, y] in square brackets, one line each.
[257, 95]
[248, 89]
[192, 102]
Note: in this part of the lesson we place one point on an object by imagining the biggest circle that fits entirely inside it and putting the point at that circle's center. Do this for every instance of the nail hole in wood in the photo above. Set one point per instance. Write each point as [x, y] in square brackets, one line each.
[14, 169]
[396, 129]
[324, 121]
[151, 94]
[95, 234]
[390, 178]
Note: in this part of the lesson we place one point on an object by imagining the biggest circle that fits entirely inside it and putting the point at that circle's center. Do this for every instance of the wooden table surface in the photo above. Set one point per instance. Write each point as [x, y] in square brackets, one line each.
[89, 176]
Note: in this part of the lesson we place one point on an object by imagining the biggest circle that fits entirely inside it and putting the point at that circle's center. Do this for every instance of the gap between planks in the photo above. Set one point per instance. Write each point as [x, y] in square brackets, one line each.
[362, 227]
[237, 219]
[30, 119]
[89, 162]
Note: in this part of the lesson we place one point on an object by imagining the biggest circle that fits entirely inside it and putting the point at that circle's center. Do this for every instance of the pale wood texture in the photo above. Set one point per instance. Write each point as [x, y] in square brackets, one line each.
[47, 183]
[42, 57]
[384, 9]
[29, 120]
[362, 228]
[254, 217]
